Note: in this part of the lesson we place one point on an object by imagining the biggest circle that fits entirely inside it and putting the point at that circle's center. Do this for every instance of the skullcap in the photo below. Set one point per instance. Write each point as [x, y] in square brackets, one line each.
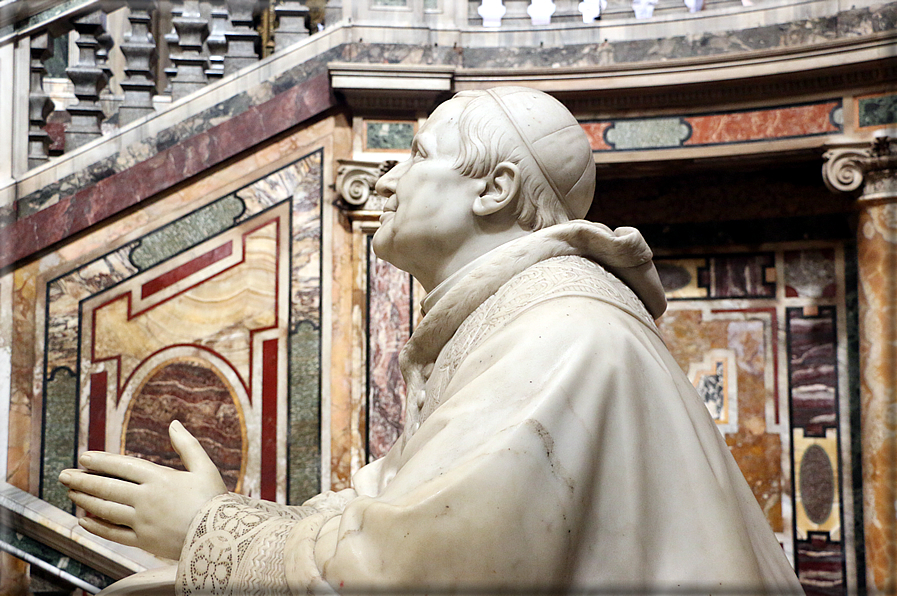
[556, 141]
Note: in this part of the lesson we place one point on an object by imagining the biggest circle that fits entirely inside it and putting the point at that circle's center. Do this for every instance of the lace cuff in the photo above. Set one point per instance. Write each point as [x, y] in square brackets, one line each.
[235, 547]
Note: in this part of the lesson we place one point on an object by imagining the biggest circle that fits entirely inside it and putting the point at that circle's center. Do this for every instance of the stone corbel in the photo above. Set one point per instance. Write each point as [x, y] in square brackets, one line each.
[355, 181]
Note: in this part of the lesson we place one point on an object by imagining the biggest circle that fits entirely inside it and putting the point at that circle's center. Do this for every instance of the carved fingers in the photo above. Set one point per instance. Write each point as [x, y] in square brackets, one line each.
[139, 503]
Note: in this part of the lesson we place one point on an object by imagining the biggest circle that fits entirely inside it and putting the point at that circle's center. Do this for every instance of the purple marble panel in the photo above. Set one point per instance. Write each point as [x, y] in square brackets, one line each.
[389, 326]
[820, 565]
[739, 276]
[812, 370]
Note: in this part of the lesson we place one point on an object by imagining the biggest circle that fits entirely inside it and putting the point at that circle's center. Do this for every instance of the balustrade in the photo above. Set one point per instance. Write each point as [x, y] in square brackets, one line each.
[203, 41]
[207, 40]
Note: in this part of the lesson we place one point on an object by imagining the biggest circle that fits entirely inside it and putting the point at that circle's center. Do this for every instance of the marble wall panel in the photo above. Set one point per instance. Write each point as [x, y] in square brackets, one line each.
[776, 312]
[877, 110]
[693, 130]
[755, 440]
[389, 326]
[253, 312]
[810, 273]
[388, 135]
[718, 276]
[813, 369]
[192, 392]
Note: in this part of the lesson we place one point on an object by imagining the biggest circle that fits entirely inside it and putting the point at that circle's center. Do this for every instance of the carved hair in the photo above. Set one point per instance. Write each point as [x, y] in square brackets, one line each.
[486, 141]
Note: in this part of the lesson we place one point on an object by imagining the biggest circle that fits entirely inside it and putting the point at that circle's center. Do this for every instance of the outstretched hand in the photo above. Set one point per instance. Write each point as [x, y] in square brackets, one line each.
[139, 503]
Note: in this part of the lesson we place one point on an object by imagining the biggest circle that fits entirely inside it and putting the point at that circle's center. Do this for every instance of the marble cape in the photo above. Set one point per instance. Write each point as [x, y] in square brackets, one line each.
[551, 443]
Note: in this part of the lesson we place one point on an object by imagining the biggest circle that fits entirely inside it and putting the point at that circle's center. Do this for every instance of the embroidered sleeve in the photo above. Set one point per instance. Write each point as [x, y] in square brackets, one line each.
[236, 545]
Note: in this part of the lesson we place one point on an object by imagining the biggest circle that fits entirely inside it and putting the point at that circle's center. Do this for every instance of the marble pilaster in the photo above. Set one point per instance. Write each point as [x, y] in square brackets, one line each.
[874, 171]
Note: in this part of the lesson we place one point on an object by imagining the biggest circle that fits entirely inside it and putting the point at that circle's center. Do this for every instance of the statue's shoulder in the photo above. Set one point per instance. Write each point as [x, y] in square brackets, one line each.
[563, 276]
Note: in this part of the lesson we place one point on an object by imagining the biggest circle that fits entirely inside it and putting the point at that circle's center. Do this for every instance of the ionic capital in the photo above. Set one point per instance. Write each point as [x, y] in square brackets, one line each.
[874, 165]
[355, 181]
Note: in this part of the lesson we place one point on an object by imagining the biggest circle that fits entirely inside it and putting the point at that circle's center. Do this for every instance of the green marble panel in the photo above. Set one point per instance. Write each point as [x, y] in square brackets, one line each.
[305, 413]
[878, 111]
[188, 231]
[60, 435]
[652, 133]
[52, 557]
[389, 135]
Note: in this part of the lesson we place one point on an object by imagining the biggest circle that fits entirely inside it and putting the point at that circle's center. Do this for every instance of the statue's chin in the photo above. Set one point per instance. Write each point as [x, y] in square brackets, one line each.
[382, 245]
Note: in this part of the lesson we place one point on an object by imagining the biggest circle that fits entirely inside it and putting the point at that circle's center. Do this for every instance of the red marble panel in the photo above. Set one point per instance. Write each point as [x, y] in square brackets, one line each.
[175, 275]
[164, 170]
[595, 132]
[96, 433]
[269, 420]
[737, 127]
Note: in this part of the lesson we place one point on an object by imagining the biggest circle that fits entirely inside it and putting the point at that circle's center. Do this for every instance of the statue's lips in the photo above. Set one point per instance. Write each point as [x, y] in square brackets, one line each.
[385, 216]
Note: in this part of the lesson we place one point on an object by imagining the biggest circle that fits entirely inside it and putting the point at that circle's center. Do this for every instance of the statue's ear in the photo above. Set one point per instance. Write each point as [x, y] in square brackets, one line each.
[502, 187]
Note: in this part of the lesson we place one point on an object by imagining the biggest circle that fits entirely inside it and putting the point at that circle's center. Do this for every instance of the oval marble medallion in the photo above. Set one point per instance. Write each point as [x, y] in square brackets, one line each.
[817, 484]
[193, 392]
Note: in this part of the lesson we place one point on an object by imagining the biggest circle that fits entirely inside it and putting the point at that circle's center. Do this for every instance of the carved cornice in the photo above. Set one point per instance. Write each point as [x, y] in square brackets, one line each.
[355, 181]
[846, 169]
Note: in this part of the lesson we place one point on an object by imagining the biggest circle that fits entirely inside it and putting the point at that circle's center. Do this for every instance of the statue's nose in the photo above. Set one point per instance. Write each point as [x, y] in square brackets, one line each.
[386, 184]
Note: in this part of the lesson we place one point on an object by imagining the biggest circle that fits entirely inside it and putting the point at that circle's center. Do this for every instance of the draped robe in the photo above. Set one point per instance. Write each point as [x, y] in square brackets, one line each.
[551, 444]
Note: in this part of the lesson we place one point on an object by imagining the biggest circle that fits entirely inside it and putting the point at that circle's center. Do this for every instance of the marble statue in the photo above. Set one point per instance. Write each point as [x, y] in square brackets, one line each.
[551, 442]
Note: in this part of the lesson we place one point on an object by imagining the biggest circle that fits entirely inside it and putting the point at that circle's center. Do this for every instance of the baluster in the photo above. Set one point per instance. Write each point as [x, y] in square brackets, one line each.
[291, 16]
[644, 9]
[540, 12]
[176, 8]
[217, 42]
[107, 99]
[139, 49]
[492, 11]
[189, 61]
[39, 103]
[592, 9]
[694, 5]
[242, 39]
[88, 78]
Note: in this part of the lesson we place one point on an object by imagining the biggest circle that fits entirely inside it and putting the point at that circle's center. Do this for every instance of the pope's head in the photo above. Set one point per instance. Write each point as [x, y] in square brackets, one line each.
[485, 168]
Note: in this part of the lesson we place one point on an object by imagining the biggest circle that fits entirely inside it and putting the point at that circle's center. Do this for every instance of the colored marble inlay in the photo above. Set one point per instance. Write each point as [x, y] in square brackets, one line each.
[810, 273]
[726, 307]
[741, 339]
[721, 276]
[207, 311]
[879, 110]
[650, 133]
[388, 135]
[759, 125]
[186, 232]
[717, 129]
[821, 565]
[812, 370]
[21, 545]
[389, 326]
[191, 392]
[59, 440]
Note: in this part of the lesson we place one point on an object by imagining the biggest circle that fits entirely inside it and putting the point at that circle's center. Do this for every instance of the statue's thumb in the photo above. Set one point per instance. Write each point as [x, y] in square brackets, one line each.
[192, 454]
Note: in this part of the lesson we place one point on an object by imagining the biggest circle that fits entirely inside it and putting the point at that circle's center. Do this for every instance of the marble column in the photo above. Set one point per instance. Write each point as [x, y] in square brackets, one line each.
[872, 172]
